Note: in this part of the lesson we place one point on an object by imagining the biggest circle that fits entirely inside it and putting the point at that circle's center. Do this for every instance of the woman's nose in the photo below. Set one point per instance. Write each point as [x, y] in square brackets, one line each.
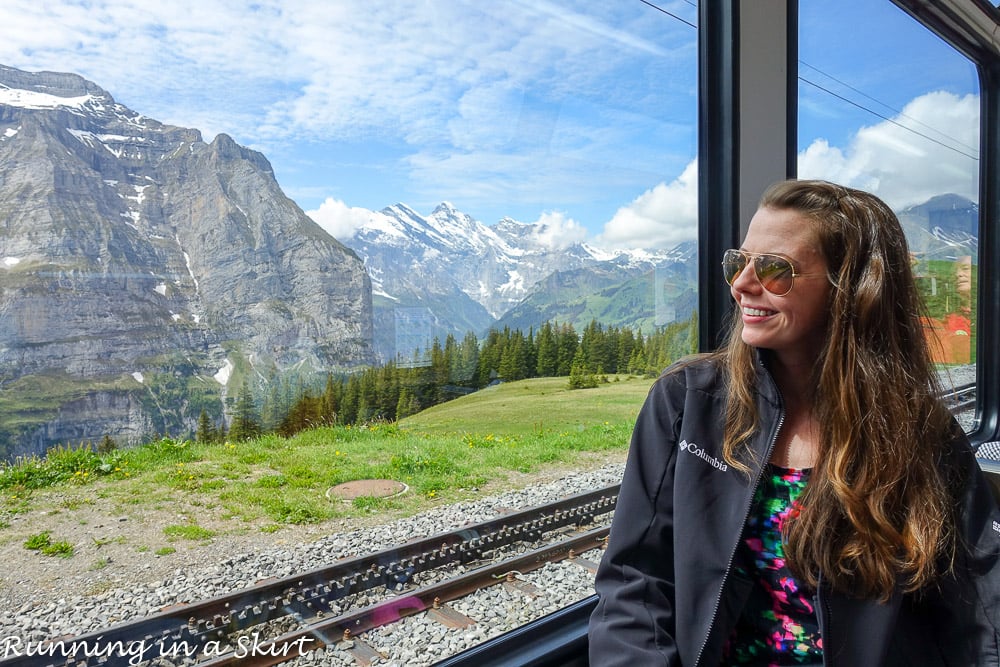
[745, 280]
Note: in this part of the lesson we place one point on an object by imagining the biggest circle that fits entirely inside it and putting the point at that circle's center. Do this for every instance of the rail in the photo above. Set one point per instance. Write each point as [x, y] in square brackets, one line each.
[310, 597]
[430, 598]
[960, 398]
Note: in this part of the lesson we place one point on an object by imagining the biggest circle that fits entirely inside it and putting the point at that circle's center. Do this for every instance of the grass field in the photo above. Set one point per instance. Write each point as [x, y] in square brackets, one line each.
[484, 441]
[532, 406]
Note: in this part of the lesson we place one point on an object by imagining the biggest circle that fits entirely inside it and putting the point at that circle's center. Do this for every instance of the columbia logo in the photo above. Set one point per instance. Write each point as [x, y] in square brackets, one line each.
[996, 526]
[692, 448]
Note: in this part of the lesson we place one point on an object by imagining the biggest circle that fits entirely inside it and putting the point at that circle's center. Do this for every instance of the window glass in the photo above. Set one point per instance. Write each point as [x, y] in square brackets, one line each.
[496, 167]
[537, 159]
[559, 170]
[895, 110]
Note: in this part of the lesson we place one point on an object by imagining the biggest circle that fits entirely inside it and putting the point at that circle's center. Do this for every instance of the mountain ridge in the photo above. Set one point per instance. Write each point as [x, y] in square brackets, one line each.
[521, 281]
[462, 274]
[139, 261]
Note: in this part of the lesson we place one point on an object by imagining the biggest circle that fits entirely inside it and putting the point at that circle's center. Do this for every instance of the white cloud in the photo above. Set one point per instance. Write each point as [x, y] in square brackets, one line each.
[658, 218]
[340, 220]
[554, 230]
[330, 69]
[901, 166]
[522, 102]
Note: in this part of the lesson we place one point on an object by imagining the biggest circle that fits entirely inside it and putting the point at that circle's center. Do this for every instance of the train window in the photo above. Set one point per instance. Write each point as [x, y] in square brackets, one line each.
[575, 119]
[472, 154]
[510, 146]
[895, 110]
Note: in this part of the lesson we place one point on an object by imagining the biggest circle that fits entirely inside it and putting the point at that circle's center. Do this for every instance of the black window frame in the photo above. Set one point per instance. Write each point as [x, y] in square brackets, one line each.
[967, 25]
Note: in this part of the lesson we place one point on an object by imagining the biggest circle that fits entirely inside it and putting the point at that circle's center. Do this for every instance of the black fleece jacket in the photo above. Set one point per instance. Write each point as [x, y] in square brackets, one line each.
[668, 591]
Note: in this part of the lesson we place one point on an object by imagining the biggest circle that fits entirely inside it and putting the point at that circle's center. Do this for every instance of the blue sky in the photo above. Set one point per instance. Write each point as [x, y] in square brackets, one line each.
[577, 114]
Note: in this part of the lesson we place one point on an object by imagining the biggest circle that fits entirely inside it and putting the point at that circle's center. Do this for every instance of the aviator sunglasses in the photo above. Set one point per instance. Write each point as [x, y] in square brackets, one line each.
[775, 272]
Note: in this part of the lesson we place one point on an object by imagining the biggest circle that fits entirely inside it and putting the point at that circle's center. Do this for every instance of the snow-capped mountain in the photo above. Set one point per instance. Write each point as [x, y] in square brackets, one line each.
[447, 272]
[464, 273]
[943, 227]
[496, 266]
[142, 264]
[614, 293]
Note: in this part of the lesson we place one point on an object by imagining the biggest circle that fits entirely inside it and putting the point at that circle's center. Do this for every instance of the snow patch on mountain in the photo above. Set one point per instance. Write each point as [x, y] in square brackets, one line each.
[30, 99]
[496, 266]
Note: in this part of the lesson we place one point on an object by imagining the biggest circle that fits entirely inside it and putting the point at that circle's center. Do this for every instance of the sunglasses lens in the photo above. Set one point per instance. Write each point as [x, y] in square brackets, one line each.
[733, 262]
[774, 273]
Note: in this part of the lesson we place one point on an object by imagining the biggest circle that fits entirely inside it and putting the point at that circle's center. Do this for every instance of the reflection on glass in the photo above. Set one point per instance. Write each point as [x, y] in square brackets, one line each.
[895, 110]
[493, 167]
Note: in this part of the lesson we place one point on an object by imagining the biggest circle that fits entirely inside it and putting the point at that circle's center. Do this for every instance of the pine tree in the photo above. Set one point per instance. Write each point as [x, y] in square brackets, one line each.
[466, 363]
[440, 370]
[567, 343]
[107, 445]
[580, 376]
[274, 408]
[329, 401]
[548, 353]
[489, 357]
[594, 346]
[246, 422]
[407, 404]
[530, 354]
[206, 429]
[514, 358]
[349, 402]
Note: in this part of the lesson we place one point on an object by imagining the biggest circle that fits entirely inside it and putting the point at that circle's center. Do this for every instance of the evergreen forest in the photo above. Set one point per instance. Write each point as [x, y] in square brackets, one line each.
[445, 371]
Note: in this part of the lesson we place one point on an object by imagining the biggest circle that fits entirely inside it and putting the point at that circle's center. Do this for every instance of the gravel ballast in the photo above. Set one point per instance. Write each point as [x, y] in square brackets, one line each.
[61, 611]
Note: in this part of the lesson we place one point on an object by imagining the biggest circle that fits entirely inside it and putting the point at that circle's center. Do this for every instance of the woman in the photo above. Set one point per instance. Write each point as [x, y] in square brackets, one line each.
[801, 496]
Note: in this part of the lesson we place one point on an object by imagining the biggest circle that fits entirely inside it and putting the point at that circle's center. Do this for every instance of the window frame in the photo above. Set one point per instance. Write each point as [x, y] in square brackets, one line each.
[724, 184]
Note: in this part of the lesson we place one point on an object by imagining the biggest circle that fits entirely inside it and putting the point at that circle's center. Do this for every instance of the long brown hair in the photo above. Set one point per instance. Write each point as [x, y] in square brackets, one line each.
[876, 510]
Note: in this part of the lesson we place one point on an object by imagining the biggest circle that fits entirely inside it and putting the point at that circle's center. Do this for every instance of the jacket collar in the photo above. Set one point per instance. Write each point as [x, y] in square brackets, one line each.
[766, 386]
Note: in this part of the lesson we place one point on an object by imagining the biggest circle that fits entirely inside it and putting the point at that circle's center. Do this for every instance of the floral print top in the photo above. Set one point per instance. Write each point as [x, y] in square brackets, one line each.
[778, 625]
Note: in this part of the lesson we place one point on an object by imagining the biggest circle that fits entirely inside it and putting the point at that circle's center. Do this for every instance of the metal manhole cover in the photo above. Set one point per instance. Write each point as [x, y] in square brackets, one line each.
[379, 488]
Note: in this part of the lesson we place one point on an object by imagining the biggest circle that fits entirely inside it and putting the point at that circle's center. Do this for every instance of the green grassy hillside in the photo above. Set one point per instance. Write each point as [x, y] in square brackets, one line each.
[539, 405]
[489, 441]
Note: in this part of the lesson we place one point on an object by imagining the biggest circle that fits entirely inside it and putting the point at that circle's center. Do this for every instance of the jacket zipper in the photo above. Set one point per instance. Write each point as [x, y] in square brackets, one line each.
[746, 514]
[822, 606]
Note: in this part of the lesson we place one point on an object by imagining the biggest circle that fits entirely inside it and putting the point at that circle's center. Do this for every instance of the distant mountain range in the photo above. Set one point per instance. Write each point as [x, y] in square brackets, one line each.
[943, 227]
[447, 273]
[144, 273]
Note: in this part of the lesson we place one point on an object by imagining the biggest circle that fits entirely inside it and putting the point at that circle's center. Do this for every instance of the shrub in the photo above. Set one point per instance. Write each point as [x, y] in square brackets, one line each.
[43, 543]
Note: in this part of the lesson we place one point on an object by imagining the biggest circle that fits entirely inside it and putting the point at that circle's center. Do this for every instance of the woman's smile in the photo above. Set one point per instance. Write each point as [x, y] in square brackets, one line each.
[749, 311]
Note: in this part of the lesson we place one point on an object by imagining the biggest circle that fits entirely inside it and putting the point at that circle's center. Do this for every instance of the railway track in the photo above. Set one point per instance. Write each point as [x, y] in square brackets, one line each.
[961, 398]
[276, 620]
[347, 628]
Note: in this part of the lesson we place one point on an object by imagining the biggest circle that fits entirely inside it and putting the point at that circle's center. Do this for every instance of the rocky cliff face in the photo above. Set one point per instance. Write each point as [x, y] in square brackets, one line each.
[141, 269]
